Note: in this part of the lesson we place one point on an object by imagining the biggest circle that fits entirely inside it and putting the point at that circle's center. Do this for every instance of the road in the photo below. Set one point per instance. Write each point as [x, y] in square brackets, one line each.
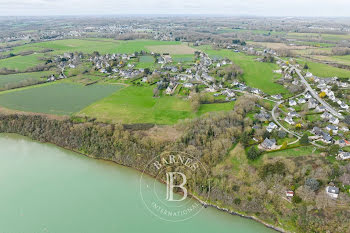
[313, 93]
[279, 124]
[316, 96]
[298, 136]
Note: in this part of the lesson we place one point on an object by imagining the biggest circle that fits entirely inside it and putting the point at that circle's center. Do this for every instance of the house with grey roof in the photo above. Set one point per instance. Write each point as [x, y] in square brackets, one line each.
[268, 144]
[312, 103]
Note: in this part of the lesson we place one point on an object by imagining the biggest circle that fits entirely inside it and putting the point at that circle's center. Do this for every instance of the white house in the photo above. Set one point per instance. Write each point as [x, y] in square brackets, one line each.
[289, 120]
[334, 120]
[292, 102]
[271, 127]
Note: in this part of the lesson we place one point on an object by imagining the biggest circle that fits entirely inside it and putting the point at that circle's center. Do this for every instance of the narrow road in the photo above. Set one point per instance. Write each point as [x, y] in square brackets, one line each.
[313, 93]
[316, 96]
[279, 124]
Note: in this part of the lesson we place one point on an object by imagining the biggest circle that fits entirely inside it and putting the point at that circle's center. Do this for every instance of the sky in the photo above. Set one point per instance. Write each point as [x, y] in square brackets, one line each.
[326, 8]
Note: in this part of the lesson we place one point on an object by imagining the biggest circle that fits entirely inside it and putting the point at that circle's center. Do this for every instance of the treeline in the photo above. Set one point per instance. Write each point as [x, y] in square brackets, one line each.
[22, 83]
[37, 68]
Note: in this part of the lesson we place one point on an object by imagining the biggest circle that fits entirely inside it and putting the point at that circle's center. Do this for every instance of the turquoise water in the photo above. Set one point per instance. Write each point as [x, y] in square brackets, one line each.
[44, 188]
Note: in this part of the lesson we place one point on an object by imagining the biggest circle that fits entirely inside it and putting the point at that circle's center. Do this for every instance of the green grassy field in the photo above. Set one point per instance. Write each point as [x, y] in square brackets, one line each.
[12, 79]
[324, 70]
[135, 104]
[21, 63]
[146, 62]
[256, 74]
[55, 98]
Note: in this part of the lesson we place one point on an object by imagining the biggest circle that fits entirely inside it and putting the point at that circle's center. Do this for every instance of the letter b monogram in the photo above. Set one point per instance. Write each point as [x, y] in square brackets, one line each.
[170, 186]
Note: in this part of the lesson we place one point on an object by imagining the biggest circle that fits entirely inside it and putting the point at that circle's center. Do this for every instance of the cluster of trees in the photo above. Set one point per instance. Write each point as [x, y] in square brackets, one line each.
[340, 51]
[229, 72]
[22, 83]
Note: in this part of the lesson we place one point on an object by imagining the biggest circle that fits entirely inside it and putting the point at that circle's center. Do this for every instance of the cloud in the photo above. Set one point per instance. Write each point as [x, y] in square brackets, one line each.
[227, 7]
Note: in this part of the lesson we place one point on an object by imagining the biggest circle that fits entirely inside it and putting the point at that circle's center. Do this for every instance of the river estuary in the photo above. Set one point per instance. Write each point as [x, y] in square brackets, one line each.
[44, 188]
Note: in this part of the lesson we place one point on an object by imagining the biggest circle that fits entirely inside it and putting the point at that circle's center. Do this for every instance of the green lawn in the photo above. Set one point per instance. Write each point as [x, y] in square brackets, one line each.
[299, 151]
[21, 63]
[13, 79]
[256, 74]
[55, 98]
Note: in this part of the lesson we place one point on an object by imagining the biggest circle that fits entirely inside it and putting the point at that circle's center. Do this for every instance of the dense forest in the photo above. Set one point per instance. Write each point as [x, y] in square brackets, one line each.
[215, 139]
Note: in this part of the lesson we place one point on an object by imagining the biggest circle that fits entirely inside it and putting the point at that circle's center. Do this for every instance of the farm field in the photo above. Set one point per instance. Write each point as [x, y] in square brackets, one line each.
[13, 79]
[324, 70]
[21, 63]
[171, 49]
[101, 45]
[272, 45]
[344, 60]
[256, 74]
[55, 98]
[328, 37]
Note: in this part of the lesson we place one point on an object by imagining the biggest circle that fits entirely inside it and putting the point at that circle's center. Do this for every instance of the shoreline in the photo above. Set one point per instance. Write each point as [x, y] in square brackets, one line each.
[203, 203]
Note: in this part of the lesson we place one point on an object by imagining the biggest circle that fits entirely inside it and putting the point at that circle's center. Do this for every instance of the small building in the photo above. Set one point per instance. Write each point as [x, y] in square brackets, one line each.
[332, 191]
[289, 193]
